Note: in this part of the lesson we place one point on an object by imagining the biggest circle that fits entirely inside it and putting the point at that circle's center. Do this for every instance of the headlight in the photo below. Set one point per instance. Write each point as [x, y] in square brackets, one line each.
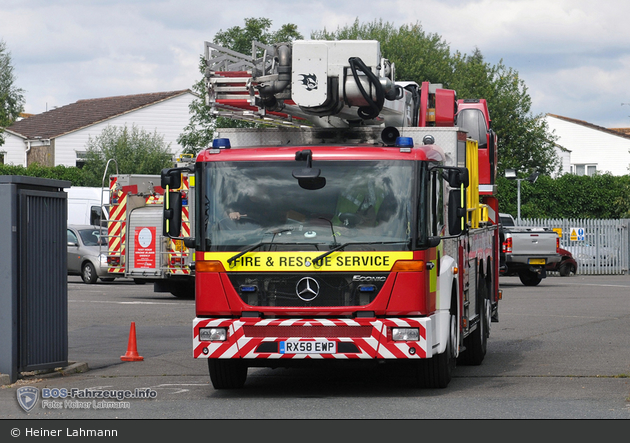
[103, 259]
[212, 334]
[405, 334]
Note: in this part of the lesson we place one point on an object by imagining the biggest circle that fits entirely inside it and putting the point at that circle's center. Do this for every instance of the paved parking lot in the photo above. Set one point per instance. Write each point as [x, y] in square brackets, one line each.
[560, 350]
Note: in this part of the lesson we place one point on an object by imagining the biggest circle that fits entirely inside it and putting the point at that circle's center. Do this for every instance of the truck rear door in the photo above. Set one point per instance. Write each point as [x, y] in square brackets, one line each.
[144, 243]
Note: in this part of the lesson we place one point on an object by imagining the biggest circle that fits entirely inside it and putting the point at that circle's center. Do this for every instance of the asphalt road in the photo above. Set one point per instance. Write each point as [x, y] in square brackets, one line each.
[560, 351]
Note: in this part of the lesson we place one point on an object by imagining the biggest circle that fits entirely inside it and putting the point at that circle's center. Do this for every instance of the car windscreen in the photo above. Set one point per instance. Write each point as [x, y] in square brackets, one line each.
[90, 237]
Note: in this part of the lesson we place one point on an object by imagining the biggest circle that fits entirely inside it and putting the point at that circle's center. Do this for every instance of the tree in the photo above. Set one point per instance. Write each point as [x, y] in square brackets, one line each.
[417, 56]
[135, 150]
[524, 139]
[200, 129]
[11, 97]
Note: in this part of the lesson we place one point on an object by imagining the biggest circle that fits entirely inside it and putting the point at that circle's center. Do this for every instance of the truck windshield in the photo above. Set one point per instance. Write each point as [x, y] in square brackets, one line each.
[364, 204]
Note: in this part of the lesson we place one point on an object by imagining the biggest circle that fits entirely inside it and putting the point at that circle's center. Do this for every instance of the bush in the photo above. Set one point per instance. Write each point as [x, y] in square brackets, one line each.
[70, 173]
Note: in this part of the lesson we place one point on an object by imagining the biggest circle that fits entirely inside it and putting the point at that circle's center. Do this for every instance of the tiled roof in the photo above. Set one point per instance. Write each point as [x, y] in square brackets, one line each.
[84, 113]
[619, 132]
[622, 130]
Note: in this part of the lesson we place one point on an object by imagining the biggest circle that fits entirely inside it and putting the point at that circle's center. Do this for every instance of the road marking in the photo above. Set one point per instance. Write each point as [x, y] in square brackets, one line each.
[610, 286]
[128, 302]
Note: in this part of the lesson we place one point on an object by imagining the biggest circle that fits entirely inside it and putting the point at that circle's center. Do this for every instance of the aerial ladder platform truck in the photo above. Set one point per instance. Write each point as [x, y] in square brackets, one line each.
[356, 222]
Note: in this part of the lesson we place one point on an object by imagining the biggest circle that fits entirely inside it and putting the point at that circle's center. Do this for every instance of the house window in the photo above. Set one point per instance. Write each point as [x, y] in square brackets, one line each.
[81, 158]
[2, 155]
[584, 169]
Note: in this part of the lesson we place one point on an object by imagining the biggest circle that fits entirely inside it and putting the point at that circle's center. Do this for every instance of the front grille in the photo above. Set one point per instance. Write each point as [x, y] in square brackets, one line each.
[306, 331]
[335, 288]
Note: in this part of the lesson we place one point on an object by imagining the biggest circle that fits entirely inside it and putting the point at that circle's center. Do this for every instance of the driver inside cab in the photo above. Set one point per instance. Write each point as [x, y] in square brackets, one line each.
[366, 202]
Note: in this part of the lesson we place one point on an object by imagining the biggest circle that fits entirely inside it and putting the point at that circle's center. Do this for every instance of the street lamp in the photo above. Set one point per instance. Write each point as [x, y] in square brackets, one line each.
[510, 174]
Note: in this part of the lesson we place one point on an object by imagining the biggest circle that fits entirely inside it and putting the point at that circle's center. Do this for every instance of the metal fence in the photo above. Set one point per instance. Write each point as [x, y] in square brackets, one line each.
[598, 246]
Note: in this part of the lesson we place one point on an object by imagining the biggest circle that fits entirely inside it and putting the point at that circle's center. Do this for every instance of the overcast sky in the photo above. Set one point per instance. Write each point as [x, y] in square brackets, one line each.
[574, 55]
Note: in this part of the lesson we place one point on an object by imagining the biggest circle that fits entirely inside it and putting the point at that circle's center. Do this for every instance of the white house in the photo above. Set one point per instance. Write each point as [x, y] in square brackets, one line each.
[585, 148]
[59, 136]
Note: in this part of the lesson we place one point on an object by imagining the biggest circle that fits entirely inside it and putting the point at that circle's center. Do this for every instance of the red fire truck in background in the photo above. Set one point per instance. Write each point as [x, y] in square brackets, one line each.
[136, 246]
[357, 223]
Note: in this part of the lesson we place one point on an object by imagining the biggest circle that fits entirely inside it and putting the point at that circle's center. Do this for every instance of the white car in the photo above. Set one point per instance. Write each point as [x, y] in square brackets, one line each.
[86, 256]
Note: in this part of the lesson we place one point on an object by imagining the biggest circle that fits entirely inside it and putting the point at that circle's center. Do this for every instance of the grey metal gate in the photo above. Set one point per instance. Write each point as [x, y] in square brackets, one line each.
[598, 246]
[33, 268]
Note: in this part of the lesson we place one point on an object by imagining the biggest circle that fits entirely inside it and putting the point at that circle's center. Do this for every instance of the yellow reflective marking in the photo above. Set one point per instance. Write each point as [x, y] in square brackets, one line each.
[303, 261]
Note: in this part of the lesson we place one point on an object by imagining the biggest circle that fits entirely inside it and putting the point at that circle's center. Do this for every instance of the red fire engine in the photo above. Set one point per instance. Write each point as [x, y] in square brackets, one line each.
[137, 248]
[358, 222]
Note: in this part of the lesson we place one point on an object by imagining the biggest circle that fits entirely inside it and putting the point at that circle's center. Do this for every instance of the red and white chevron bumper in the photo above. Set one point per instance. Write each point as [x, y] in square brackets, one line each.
[357, 338]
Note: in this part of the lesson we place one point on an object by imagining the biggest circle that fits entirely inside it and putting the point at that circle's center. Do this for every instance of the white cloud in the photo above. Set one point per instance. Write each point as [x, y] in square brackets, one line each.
[572, 54]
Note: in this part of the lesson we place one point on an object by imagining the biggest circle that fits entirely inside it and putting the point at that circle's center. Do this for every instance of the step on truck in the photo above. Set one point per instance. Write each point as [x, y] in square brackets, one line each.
[356, 222]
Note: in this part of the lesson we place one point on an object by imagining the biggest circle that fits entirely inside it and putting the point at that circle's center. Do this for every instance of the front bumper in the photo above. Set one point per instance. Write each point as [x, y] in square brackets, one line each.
[369, 338]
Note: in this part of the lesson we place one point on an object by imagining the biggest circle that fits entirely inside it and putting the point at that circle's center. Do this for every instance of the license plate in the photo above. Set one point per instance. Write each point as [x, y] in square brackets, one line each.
[308, 347]
[537, 261]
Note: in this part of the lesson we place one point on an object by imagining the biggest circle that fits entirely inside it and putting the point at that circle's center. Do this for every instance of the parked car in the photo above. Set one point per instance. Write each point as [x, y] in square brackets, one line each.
[87, 253]
[566, 266]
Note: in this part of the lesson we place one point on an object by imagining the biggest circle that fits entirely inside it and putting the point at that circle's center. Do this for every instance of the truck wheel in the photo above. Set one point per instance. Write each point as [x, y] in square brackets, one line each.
[566, 269]
[476, 343]
[437, 372]
[529, 278]
[88, 273]
[227, 374]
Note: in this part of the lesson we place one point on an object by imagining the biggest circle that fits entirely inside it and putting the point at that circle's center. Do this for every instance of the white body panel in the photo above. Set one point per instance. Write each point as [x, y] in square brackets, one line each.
[82, 200]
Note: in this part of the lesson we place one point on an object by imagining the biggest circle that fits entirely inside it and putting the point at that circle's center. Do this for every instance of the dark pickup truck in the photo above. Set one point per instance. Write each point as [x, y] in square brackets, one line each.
[526, 251]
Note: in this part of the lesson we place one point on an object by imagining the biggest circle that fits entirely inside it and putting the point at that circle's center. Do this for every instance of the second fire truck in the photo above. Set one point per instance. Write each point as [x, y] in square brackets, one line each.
[362, 227]
[137, 248]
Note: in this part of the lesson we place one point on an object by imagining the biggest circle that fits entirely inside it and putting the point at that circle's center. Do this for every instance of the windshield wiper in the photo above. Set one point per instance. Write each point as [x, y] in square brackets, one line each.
[344, 245]
[258, 245]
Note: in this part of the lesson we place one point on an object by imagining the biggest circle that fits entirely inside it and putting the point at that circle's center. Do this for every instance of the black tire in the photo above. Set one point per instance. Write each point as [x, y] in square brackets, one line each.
[227, 374]
[88, 273]
[566, 269]
[476, 343]
[529, 278]
[437, 372]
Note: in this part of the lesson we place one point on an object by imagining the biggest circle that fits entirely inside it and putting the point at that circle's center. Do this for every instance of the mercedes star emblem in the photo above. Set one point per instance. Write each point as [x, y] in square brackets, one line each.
[307, 289]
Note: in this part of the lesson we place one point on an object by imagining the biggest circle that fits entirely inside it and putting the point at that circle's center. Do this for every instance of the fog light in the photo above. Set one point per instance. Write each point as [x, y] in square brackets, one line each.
[405, 334]
[212, 334]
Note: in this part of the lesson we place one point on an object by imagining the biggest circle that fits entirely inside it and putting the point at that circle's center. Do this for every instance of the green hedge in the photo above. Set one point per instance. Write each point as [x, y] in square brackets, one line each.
[71, 174]
[602, 196]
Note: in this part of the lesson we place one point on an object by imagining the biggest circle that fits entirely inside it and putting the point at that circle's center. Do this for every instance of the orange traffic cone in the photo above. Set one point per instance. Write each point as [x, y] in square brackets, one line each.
[132, 350]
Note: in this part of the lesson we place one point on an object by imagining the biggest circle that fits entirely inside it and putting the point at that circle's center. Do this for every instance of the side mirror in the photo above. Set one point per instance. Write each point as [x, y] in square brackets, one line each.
[171, 178]
[456, 212]
[172, 220]
[457, 177]
[434, 242]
